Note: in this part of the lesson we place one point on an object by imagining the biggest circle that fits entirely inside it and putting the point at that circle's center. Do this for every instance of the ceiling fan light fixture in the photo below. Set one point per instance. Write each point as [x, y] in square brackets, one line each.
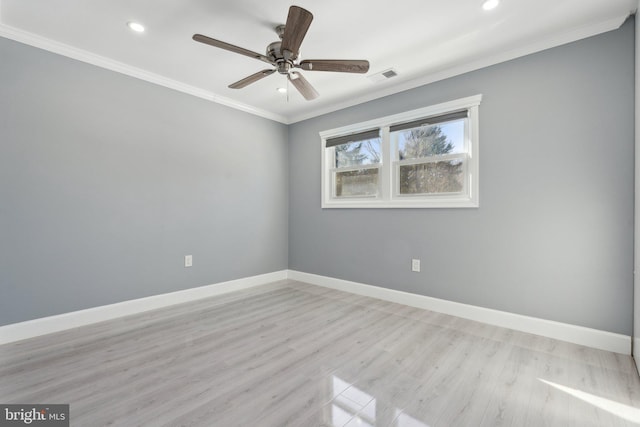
[490, 4]
[135, 26]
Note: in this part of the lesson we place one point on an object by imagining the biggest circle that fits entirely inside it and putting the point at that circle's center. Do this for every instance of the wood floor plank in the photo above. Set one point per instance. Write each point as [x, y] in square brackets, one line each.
[294, 354]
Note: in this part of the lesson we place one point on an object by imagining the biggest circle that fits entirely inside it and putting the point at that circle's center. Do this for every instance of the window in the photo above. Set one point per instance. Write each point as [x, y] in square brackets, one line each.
[418, 159]
[356, 165]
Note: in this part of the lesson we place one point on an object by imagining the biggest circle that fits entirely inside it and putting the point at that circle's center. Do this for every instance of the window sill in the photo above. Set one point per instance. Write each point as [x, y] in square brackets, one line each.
[395, 204]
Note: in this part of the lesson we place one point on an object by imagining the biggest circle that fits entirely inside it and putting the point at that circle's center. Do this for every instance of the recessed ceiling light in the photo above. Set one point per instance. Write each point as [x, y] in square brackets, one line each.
[282, 89]
[135, 26]
[490, 4]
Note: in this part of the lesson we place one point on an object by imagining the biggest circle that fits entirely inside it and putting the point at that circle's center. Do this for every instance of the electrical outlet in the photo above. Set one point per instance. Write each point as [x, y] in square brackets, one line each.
[188, 260]
[415, 265]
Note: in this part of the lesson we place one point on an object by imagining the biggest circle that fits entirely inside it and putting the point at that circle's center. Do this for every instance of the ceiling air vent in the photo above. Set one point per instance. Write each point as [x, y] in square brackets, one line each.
[383, 75]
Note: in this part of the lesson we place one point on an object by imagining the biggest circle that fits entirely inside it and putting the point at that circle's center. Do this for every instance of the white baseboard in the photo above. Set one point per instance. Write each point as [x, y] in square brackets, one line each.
[46, 325]
[562, 331]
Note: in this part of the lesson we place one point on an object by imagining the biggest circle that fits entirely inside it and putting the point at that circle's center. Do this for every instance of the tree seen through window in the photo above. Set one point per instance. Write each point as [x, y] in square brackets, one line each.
[445, 176]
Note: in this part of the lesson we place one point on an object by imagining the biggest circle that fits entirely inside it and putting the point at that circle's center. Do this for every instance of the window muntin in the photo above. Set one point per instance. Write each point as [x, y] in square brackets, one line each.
[422, 158]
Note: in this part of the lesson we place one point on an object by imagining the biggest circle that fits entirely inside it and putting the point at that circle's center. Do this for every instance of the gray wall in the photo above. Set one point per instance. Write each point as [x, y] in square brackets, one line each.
[553, 237]
[106, 182]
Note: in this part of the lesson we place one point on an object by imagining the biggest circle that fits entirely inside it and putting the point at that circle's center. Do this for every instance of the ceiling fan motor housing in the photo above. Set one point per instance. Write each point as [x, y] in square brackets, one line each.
[274, 53]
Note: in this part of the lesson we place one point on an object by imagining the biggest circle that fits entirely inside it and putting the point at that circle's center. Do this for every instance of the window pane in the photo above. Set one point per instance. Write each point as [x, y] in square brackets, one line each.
[433, 177]
[426, 141]
[358, 153]
[361, 182]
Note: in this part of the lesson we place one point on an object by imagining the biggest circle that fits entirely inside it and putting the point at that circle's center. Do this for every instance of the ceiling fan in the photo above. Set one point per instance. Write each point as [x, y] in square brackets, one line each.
[283, 55]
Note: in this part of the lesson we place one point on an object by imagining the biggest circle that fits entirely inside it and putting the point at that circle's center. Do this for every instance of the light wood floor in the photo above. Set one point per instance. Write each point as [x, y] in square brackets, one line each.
[295, 354]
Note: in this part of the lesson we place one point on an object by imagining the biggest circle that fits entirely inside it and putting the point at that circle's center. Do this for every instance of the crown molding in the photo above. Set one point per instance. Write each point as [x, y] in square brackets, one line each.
[458, 69]
[452, 71]
[120, 67]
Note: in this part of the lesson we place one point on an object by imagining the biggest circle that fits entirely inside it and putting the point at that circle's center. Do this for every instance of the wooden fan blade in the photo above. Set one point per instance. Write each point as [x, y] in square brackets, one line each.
[337, 65]
[298, 22]
[232, 48]
[303, 86]
[251, 79]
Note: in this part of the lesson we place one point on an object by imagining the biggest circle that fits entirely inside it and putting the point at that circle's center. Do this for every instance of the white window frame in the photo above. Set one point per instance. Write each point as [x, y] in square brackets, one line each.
[388, 192]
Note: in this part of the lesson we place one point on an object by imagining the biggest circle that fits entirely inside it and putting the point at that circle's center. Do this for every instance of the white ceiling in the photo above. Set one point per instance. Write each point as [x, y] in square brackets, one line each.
[423, 40]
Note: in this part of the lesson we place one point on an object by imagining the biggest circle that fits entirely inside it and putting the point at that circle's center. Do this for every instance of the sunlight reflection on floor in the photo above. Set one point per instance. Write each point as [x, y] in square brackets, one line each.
[358, 409]
[621, 410]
